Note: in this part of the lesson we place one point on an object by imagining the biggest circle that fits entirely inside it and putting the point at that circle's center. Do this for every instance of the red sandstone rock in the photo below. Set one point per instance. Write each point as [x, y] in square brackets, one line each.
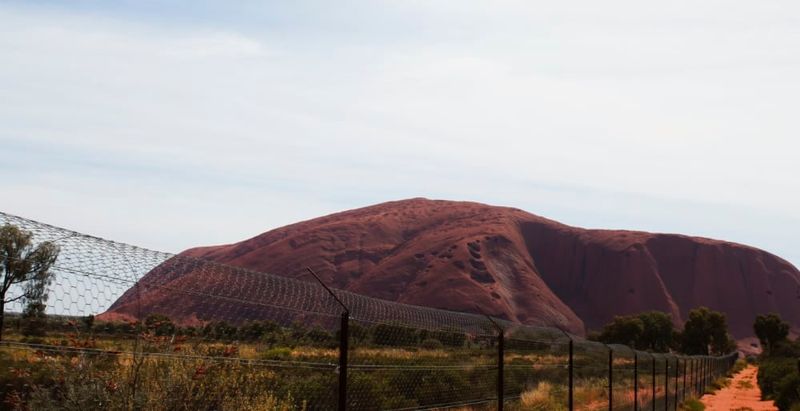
[518, 266]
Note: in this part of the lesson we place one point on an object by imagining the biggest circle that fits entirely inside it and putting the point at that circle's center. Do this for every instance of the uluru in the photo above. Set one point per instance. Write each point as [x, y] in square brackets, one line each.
[472, 257]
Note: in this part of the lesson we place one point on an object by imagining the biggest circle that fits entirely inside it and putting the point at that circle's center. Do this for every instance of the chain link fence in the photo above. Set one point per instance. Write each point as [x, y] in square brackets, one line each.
[129, 328]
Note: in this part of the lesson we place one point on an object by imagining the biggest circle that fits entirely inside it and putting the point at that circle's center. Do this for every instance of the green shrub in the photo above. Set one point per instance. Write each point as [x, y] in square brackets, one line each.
[692, 404]
[432, 344]
[779, 380]
[771, 371]
[787, 392]
[277, 353]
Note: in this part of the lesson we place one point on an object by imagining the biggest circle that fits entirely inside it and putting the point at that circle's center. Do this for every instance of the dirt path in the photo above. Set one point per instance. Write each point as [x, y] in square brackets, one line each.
[742, 393]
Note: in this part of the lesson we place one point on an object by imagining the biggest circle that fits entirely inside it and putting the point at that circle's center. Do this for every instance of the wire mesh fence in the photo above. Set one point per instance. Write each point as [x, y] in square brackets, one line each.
[124, 327]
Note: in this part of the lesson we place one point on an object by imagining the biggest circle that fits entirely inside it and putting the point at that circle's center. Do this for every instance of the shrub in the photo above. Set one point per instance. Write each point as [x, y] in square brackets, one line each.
[277, 353]
[787, 391]
[692, 404]
[432, 344]
[771, 371]
[779, 379]
[542, 397]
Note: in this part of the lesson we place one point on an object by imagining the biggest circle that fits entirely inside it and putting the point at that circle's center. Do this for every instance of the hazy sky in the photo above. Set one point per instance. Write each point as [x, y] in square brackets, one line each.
[175, 124]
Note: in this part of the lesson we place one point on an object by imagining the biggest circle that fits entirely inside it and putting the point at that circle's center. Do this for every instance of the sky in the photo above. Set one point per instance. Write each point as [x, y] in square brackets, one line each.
[173, 124]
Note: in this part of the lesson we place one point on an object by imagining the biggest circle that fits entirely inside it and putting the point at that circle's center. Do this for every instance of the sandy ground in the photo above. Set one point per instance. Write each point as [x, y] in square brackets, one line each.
[742, 393]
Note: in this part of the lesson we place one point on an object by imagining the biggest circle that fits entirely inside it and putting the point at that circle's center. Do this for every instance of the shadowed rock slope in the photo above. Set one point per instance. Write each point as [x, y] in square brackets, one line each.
[518, 266]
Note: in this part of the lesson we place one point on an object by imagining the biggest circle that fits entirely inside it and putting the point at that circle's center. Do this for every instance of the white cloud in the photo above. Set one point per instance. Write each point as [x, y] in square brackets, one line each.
[576, 112]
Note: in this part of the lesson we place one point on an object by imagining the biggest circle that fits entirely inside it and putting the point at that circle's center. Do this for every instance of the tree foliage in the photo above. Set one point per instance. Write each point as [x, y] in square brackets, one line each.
[770, 330]
[706, 333]
[779, 365]
[26, 265]
[652, 330]
[625, 330]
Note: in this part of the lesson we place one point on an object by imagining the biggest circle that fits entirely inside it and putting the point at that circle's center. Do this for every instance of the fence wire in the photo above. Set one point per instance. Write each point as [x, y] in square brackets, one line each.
[124, 327]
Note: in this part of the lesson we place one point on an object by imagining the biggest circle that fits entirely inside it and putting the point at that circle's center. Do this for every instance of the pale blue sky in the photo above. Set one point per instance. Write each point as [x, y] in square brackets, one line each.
[175, 124]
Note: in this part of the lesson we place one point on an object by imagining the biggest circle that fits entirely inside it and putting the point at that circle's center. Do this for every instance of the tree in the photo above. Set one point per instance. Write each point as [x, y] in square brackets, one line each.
[652, 330]
[25, 265]
[770, 330]
[658, 331]
[34, 319]
[625, 330]
[88, 322]
[706, 332]
[159, 324]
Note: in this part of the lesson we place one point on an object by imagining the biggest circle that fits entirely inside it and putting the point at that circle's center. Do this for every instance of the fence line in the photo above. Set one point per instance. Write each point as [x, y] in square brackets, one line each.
[131, 327]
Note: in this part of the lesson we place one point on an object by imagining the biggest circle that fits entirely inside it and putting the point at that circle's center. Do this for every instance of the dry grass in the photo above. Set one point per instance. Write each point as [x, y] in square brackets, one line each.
[540, 398]
[400, 353]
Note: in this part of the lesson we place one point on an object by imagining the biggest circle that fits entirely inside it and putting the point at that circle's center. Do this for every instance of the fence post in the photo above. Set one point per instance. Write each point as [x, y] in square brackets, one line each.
[654, 383]
[500, 368]
[704, 384]
[684, 379]
[701, 385]
[700, 377]
[570, 366]
[571, 371]
[666, 384]
[677, 369]
[635, 381]
[500, 359]
[344, 333]
[344, 337]
[610, 379]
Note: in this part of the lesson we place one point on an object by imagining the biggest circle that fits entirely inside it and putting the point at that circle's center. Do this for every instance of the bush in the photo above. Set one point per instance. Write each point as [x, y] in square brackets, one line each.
[692, 404]
[787, 392]
[432, 344]
[771, 371]
[779, 380]
[277, 353]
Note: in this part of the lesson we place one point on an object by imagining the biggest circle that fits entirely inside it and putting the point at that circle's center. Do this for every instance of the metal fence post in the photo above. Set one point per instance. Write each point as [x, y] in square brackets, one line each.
[704, 380]
[500, 367]
[344, 342]
[571, 372]
[344, 334]
[666, 384]
[654, 383]
[684, 379]
[677, 369]
[610, 379]
[700, 376]
[635, 381]
[500, 360]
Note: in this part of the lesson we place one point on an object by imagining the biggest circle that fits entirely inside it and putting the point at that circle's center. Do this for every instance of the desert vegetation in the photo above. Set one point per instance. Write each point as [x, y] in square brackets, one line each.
[704, 333]
[779, 363]
[405, 358]
[82, 363]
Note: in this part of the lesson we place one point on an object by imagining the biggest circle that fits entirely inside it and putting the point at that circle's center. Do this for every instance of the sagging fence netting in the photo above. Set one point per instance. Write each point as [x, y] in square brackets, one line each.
[123, 327]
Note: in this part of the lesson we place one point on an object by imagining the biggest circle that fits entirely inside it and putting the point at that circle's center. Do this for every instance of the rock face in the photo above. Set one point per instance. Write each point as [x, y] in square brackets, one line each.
[518, 266]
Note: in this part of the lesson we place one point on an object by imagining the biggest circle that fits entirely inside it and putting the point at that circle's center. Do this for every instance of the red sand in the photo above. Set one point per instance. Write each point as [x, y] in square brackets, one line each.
[743, 393]
[519, 266]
